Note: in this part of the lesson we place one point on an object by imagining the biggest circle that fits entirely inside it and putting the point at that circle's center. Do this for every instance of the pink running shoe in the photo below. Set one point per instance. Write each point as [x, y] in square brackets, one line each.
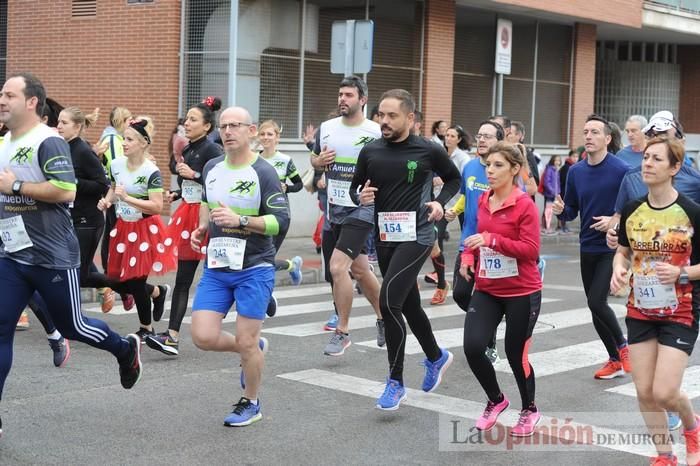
[490, 416]
[526, 424]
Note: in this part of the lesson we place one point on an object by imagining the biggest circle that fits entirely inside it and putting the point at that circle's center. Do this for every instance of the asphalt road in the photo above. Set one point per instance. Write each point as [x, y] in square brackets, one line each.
[319, 409]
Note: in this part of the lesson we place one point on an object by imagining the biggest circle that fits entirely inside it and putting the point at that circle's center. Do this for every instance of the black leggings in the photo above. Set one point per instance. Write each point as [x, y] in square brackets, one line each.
[186, 271]
[110, 221]
[277, 241]
[486, 312]
[462, 292]
[141, 292]
[596, 271]
[399, 295]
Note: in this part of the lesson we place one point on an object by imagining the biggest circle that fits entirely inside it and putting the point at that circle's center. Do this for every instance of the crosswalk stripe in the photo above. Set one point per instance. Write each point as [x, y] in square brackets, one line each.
[444, 404]
[690, 385]
[563, 359]
[453, 337]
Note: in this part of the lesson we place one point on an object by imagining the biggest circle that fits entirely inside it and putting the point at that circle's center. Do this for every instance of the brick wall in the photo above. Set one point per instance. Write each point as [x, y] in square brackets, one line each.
[582, 99]
[622, 12]
[438, 62]
[126, 55]
[689, 109]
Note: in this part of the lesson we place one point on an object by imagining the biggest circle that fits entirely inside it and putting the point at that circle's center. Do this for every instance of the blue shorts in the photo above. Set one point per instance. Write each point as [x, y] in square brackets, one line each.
[250, 289]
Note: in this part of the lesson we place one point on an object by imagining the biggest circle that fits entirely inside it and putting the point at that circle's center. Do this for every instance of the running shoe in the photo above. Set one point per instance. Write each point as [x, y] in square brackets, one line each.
[264, 346]
[358, 288]
[0, 427]
[271, 306]
[692, 444]
[337, 344]
[431, 278]
[381, 336]
[526, 423]
[372, 258]
[164, 343]
[664, 460]
[130, 369]
[541, 265]
[625, 359]
[490, 415]
[394, 394]
[295, 274]
[610, 370]
[106, 298]
[61, 351]
[674, 421]
[332, 323]
[142, 333]
[128, 301]
[440, 295]
[244, 413]
[492, 354]
[434, 371]
[23, 322]
[159, 302]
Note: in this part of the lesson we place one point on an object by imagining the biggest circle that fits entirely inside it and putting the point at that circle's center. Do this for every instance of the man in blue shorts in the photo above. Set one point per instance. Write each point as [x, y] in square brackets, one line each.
[243, 207]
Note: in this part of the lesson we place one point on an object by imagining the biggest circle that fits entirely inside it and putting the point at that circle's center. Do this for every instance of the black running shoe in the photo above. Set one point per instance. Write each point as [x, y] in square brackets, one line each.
[142, 333]
[164, 343]
[159, 302]
[272, 306]
[130, 368]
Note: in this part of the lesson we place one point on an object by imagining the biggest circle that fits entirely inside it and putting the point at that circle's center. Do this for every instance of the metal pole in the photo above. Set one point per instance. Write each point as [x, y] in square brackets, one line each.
[534, 83]
[499, 97]
[181, 77]
[364, 75]
[569, 116]
[422, 58]
[349, 46]
[233, 52]
[302, 54]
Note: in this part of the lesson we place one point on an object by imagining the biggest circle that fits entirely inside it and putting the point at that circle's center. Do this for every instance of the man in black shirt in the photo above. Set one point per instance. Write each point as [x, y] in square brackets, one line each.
[396, 175]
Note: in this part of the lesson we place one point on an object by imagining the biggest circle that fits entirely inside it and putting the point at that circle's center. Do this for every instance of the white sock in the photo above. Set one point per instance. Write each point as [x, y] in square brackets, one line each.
[255, 401]
[54, 336]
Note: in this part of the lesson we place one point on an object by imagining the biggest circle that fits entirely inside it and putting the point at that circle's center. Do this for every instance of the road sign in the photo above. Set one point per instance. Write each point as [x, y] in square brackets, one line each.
[351, 46]
[504, 45]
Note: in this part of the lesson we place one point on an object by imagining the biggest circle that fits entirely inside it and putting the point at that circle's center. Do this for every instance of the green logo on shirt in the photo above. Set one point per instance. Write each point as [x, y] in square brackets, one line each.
[363, 140]
[412, 165]
[140, 180]
[22, 156]
[279, 164]
[243, 187]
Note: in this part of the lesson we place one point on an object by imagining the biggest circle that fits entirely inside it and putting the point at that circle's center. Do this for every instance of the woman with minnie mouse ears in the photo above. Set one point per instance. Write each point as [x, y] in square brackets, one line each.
[139, 243]
[199, 123]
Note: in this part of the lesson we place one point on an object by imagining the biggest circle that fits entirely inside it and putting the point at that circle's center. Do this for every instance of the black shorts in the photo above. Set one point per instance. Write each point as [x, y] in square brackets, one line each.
[351, 237]
[669, 333]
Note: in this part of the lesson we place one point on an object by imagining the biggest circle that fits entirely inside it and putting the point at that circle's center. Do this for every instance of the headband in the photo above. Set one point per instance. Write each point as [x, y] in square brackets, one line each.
[140, 127]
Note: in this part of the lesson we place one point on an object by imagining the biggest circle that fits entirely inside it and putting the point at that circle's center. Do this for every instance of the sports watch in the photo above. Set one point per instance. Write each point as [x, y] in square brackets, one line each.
[244, 220]
[683, 277]
[17, 187]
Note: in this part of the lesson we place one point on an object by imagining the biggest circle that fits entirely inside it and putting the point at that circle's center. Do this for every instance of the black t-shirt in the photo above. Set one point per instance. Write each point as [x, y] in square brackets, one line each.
[403, 173]
[196, 155]
[92, 184]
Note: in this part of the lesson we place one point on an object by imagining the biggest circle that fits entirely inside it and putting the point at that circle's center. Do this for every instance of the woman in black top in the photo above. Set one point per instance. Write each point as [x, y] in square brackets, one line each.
[198, 124]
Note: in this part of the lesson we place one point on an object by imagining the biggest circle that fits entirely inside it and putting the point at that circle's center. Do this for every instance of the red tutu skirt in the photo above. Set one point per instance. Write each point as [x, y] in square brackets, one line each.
[183, 222]
[138, 249]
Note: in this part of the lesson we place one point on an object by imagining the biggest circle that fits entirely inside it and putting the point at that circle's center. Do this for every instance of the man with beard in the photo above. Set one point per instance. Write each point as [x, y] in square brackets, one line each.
[338, 143]
[396, 176]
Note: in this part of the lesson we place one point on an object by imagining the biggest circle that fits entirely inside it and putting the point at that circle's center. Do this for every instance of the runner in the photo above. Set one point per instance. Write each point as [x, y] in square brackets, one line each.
[39, 247]
[502, 256]
[242, 208]
[201, 149]
[659, 246]
[338, 143]
[269, 137]
[591, 188]
[140, 245]
[396, 176]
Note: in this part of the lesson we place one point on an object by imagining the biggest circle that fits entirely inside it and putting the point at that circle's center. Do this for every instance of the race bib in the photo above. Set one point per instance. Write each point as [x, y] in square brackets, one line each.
[191, 192]
[127, 212]
[339, 193]
[649, 295]
[495, 265]
[14, 235]
[226, 252]
[397, 226]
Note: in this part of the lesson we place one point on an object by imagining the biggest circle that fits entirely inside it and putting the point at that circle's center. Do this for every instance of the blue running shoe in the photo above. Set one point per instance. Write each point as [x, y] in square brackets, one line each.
[244, 413]
[332, 323]
[541, 265]
[435, 370]
[394, 394]
[264, 346]
[295, 274]
[674, 421]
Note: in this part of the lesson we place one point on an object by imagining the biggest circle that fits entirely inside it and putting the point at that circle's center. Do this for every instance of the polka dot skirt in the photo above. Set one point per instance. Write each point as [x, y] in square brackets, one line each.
[183, 222]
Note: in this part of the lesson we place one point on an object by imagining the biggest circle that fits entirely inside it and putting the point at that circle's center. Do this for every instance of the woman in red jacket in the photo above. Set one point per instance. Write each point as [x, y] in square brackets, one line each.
[503, 256]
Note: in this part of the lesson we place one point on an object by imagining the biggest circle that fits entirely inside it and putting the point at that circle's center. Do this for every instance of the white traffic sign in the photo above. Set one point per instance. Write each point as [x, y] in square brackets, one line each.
[504, 45]
[351, 46]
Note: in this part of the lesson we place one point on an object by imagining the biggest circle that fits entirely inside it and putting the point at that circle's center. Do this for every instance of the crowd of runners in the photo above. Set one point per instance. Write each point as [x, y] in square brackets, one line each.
[387, 194]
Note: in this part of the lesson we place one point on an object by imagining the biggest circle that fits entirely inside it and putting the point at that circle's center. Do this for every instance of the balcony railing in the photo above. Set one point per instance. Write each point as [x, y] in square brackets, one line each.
[689, 6]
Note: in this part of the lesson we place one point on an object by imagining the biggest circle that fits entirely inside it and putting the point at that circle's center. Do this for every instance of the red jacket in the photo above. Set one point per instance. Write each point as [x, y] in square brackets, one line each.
[513, 230]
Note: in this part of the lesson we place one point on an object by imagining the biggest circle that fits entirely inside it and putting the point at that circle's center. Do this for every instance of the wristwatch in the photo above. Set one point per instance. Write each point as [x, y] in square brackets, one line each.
[683, 277]
[17, 187]
[243, 220]
[197, 176]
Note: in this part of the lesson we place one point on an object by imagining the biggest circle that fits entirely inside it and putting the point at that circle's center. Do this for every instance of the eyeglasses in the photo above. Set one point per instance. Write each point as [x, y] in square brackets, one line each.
[485, 137]
[225, 126]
